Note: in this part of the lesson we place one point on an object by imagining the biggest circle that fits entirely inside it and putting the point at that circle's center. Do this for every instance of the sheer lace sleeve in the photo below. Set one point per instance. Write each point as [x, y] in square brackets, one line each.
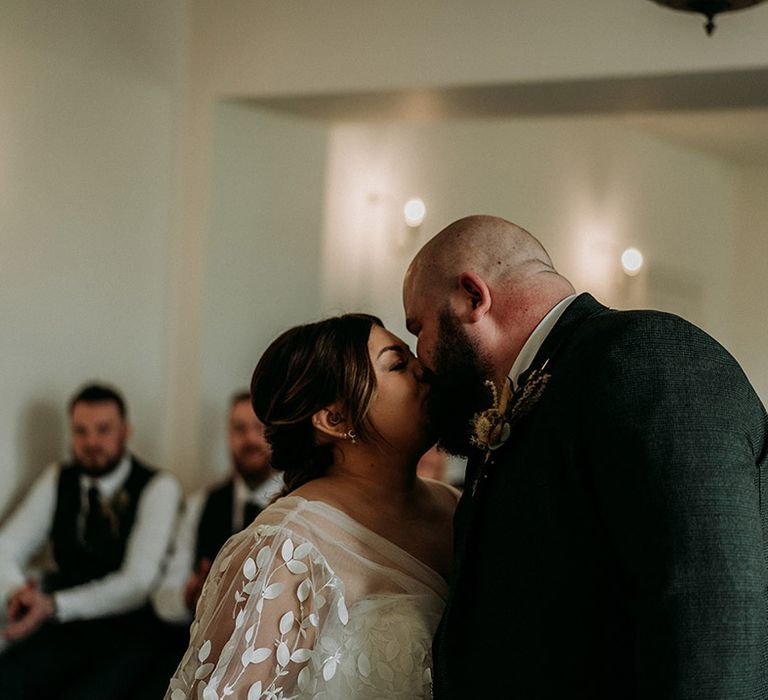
[267, 599]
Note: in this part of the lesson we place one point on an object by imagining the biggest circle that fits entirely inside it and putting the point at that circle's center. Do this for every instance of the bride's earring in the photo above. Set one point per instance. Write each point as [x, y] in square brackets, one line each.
[351, 435]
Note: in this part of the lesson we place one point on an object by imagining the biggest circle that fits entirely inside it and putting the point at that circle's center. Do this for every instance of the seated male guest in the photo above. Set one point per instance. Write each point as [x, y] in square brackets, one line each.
[211, 517]
[108, 520]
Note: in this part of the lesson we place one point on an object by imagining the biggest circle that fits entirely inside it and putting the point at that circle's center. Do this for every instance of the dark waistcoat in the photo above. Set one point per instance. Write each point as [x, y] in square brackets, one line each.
[76, 562]
[215, 526]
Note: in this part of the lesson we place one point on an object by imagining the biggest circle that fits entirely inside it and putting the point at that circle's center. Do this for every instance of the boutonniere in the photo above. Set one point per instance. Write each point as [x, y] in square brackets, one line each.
[491, 428]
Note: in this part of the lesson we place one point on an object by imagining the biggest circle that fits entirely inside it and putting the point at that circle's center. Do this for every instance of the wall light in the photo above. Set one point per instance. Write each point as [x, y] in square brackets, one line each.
[631, 261]
[414, 212]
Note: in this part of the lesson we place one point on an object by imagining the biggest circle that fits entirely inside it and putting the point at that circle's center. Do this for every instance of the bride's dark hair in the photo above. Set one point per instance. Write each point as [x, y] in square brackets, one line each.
[304, 370]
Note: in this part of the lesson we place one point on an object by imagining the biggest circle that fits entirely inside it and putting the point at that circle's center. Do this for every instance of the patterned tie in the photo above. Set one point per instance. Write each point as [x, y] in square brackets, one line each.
[250, 512]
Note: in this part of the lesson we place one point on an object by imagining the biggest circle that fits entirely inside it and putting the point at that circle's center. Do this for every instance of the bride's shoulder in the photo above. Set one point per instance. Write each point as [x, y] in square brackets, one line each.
[302, 513]
[287, 520]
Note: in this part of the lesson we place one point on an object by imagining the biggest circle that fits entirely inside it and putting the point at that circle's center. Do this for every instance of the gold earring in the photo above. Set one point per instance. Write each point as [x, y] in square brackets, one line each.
[351, 435]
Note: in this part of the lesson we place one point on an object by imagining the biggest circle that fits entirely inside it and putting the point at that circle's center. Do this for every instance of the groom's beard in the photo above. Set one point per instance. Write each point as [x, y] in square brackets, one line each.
[458, 388]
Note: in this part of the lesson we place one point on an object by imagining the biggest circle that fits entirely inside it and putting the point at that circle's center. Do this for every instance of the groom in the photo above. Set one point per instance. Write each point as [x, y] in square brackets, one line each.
[611, 539]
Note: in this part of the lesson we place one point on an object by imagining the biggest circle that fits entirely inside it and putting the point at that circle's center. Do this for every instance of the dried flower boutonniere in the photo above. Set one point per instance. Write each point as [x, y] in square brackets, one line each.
[491, 428]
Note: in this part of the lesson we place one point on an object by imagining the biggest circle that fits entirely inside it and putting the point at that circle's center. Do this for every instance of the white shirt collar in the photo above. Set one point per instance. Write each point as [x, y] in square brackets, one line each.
[109, 484]
[261, 495]
[536, 338]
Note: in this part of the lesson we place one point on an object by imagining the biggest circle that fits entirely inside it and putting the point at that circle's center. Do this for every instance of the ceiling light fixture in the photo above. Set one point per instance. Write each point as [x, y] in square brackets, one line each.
[708, 8]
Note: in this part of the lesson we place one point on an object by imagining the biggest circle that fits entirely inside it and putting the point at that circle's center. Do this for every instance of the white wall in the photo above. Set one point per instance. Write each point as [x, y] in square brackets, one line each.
[262, 262]
[88, 112]
[587, 187]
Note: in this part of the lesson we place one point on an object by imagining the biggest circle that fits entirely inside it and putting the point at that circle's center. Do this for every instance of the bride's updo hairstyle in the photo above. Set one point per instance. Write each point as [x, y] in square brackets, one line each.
[304, 370]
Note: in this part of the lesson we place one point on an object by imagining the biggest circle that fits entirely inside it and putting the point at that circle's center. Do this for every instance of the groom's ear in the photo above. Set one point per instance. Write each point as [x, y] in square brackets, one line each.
[475, 297]
[330, 421]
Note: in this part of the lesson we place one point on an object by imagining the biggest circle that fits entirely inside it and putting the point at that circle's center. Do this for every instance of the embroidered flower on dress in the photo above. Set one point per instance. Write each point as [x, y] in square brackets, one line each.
[258, 582]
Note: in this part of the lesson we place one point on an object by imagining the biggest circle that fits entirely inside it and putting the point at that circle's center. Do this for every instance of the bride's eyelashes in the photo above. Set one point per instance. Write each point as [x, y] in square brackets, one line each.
[402, 357]
[405, 360]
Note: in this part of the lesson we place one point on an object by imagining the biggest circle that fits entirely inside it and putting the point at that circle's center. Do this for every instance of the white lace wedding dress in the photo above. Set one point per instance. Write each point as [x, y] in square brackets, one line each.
[308, 603]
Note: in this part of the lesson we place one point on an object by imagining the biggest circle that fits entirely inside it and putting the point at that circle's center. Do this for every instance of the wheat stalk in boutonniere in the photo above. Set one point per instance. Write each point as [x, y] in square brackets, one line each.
[528, 395]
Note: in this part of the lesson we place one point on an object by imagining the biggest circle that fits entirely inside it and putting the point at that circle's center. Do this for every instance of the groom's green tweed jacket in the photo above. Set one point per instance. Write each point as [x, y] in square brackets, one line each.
[616, 546]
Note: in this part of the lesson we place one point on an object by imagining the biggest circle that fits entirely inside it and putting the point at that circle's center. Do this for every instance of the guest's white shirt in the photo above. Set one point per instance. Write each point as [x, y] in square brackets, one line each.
[536, 339]
[125, 589]
[168, 598]
[262, 496]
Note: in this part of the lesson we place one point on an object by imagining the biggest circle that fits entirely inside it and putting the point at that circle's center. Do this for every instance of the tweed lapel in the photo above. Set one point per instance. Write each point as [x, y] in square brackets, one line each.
[531, 385]
[581, 308]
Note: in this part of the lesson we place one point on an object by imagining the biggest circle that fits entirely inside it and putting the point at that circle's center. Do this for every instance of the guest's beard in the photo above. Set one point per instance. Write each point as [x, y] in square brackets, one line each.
[458, 389]
[96, 472]
[252, 462]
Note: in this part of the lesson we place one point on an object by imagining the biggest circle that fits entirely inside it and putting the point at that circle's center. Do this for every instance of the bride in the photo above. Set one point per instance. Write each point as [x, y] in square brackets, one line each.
[336, 589]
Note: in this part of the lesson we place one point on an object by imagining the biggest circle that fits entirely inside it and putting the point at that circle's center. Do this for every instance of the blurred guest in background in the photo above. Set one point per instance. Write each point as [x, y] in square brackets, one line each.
[441, 466]
[108, 519]
[211, 516]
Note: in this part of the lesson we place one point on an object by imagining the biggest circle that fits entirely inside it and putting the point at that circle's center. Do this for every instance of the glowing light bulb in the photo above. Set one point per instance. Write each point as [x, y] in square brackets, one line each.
[631, 261]
[414, 212]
